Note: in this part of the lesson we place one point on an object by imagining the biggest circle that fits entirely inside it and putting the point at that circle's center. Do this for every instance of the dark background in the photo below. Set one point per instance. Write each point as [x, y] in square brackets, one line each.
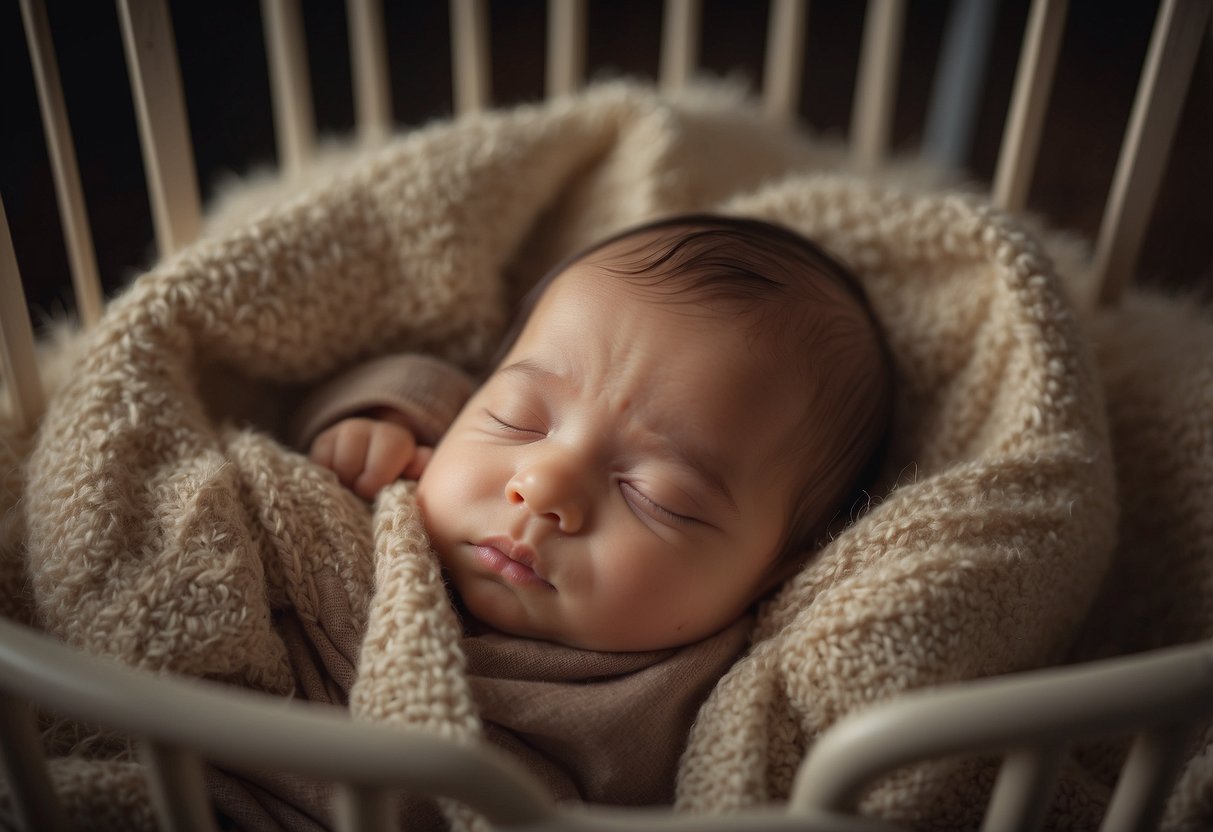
[222, 55]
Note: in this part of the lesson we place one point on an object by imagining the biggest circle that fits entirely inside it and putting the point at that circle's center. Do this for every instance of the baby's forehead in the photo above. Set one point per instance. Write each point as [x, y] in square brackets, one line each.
[783, 302]
[795, 344]
[797, 305]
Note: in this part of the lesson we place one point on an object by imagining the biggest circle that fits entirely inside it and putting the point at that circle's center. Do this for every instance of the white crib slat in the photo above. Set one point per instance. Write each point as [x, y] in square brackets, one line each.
[1146, 780]
[81, 254]
[17, 337]
[24, 768]
[1023, 789]
[959, 81]
[168, 156]
[1033, 83]
[294, 120]
[679, 43]
[1164, 81]
[368, 56]
[566, 46]
[470, 55]
[785, 59]
[364, 809]
[876, 88]
[178, 790]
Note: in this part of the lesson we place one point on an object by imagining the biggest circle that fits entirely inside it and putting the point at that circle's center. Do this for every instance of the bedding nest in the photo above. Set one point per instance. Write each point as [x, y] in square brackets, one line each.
[1045, 497]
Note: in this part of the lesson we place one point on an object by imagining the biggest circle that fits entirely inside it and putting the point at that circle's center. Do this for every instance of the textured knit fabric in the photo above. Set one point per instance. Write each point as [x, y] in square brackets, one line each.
[151, 531]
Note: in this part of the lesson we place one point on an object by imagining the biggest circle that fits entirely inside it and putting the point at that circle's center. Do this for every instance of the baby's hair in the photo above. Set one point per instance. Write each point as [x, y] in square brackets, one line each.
[802, 302]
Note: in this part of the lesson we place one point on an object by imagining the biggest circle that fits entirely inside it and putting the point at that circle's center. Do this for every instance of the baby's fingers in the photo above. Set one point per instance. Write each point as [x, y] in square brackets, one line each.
[351, 442]
[341, 448]
[323, 448]
[391, 448]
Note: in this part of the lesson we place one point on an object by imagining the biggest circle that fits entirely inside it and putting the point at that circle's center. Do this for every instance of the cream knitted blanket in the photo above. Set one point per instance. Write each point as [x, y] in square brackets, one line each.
[162, 531]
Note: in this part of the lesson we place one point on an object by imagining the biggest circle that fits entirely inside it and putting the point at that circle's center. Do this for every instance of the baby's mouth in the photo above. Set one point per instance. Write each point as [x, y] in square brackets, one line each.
[512, 561]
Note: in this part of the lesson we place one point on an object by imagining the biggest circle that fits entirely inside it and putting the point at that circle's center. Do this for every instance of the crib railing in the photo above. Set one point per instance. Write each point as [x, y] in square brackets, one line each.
[1033, 717]
[1030, 720]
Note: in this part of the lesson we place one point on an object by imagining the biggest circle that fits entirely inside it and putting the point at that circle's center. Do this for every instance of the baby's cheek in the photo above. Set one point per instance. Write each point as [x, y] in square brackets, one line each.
[434, 486]
[432, 517]
[645, 585]
[451, 494]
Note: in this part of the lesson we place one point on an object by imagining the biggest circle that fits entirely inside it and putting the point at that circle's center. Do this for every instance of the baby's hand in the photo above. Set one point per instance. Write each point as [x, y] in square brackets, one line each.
[368, 453]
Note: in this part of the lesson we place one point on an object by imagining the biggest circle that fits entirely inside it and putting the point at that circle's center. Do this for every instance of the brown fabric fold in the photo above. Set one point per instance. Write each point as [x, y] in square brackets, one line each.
[425, 390]
[599, 727]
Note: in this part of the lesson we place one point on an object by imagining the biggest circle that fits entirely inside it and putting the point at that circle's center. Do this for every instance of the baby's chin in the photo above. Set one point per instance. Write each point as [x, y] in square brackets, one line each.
[495, 607]
[502, 614]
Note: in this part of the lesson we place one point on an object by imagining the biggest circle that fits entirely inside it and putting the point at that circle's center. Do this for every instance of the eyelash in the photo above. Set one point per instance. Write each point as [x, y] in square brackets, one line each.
[655, 508]
[506, 425]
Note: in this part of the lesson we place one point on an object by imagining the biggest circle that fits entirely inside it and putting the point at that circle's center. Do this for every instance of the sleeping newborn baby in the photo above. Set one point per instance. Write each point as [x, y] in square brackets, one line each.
[677, 416]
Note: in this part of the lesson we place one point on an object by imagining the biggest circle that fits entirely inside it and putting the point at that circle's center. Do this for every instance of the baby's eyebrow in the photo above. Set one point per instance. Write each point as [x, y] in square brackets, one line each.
[531, 370]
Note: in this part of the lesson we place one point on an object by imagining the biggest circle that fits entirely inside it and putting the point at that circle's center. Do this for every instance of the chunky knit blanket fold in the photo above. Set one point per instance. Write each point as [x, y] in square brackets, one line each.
[150, 525]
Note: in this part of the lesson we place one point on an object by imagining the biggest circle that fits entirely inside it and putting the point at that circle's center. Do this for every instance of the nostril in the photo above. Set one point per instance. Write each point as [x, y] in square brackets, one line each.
[513, 497]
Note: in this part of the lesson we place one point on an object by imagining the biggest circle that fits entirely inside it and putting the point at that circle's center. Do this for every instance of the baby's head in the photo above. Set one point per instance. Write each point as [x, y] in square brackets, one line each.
[679, 414]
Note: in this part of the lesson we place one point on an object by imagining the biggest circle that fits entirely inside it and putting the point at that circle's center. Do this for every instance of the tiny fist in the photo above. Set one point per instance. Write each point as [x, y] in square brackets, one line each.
[368, 453]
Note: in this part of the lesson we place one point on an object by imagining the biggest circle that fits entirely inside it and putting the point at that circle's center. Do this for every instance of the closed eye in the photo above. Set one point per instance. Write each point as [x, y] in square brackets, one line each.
[507, 427]
[640, 502]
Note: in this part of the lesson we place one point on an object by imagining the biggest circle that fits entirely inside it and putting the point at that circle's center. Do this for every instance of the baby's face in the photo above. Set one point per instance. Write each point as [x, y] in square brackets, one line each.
[617, 484]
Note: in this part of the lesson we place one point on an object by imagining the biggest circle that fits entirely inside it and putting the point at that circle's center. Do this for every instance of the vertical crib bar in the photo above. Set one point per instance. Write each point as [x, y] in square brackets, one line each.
[785, 59]
[168, 156]
[24, 768]
[1022, 792]
[364, 809]
[81, 253]
[368, 57]
[1160, 95]
[1145, 780]
[294, 120]
[470, 54]
[679, 43]
[948, 136]
[1033, 83]
[566, 46]
[875, 90]
[178, 792]
[17, 337]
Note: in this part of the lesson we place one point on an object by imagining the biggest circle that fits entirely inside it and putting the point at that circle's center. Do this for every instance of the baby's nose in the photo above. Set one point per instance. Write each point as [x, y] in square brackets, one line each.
[550, 492]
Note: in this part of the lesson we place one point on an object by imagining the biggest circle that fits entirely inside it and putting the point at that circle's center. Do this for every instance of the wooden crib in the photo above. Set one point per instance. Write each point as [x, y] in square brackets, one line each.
[1029, 718]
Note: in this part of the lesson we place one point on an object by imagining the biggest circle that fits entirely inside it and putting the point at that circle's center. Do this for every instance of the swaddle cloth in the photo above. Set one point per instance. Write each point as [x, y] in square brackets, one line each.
[161, 533]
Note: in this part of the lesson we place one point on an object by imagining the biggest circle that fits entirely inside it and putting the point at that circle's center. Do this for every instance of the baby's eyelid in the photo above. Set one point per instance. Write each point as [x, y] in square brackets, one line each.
[652, 507]
[503, 424]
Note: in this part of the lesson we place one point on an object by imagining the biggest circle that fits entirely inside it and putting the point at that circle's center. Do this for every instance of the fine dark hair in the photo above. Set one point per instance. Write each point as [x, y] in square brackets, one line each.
[802, 303]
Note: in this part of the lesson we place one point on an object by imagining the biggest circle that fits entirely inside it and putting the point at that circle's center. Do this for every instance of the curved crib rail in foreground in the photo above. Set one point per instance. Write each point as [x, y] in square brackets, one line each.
[1032, 718]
